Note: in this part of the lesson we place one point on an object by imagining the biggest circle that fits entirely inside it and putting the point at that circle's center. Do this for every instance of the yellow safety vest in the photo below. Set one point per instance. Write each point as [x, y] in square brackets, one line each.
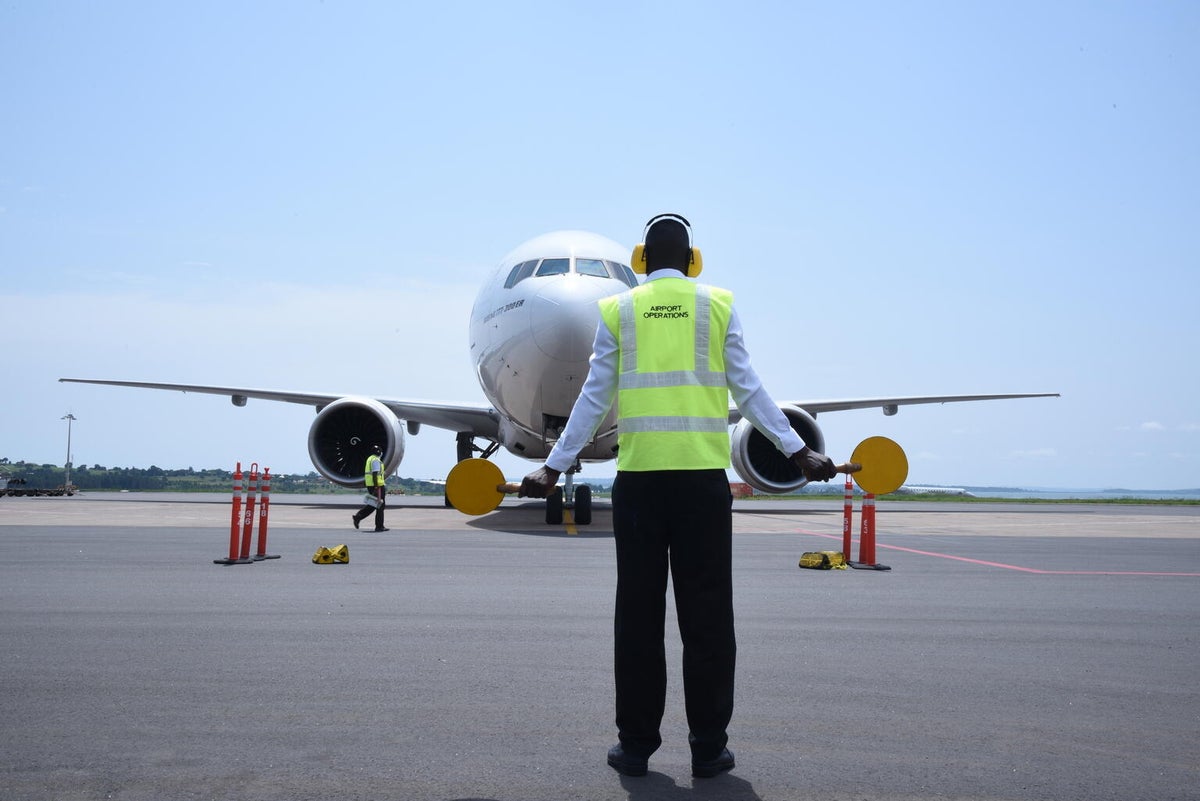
[672, 395]
[374, 465]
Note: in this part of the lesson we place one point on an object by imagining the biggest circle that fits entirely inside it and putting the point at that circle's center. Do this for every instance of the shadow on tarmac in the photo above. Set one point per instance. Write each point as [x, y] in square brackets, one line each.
[530, 519]
[660, 787]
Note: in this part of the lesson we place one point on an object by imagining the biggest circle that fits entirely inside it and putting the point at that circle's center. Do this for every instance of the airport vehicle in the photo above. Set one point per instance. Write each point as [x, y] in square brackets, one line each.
[531, 332]
[18, 488]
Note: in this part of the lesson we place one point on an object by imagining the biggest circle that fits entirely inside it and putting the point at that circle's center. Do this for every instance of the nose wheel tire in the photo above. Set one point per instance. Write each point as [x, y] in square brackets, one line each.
[554, 509]
[583, 505]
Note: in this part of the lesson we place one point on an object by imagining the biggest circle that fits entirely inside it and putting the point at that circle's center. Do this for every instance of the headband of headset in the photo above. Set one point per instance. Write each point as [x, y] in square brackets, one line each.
[695, 263]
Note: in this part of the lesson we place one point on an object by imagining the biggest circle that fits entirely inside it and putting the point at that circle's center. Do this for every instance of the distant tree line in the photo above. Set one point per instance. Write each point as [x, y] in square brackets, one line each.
[99, 477]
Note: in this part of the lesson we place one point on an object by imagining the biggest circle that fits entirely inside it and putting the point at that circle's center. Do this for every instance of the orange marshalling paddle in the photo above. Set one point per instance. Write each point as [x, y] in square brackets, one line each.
[883, 465]
[476, 486]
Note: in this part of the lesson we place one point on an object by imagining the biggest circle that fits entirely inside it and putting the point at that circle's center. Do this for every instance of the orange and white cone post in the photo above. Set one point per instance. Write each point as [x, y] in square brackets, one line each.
[847, 517]
[248, 513]
[263, 509]
[234, 522]
[866, 538]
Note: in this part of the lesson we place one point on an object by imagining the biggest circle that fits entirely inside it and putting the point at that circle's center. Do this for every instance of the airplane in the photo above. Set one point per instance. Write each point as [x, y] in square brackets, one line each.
[531, 332]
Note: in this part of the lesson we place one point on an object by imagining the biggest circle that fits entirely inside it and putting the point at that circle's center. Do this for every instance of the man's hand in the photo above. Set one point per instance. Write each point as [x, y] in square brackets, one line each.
[815, 466]
[539, 483]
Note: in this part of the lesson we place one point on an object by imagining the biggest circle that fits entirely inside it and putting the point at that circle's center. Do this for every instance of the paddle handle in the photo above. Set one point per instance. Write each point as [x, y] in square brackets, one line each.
[848, 467]
[511, 488]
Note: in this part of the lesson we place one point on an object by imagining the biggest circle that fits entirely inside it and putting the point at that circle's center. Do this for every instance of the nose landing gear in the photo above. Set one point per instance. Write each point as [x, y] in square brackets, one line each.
[580, 503]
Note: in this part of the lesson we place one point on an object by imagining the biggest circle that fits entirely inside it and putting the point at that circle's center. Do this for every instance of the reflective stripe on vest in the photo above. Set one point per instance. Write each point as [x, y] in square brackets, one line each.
[374, 465]
[672, 396]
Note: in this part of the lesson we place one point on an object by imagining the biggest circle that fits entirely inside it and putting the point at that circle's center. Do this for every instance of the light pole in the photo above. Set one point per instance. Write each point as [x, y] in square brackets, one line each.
[70, 418]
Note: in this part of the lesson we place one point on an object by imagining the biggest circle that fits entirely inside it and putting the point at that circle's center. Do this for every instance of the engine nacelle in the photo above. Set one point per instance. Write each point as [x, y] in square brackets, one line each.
[759, 462]
[341, 437]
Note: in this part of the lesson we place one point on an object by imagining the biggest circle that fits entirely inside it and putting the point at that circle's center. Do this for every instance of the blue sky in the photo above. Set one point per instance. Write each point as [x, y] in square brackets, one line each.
[916, 198]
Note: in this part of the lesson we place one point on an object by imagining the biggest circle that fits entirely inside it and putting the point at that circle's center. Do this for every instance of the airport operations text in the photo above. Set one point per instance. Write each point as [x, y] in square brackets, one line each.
[659, 312]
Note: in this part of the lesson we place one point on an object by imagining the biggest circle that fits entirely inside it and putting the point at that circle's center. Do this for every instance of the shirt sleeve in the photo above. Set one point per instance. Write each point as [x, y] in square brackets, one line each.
[751, 397]
[595, 399]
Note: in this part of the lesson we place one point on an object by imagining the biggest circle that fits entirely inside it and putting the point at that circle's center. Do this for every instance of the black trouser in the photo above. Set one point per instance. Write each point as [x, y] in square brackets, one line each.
[679, 520]
[365, 512]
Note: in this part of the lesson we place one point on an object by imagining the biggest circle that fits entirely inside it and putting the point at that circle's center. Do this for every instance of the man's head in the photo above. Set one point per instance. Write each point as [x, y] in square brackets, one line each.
[377, 448]
[668, 244]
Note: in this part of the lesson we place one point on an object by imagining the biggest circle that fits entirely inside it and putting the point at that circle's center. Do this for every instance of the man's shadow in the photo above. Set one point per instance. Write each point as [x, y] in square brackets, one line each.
[661, 787]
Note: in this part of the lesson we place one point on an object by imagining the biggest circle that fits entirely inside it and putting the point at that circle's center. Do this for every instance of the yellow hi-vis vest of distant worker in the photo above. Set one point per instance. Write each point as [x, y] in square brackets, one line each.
[672, 395]
[374, 465]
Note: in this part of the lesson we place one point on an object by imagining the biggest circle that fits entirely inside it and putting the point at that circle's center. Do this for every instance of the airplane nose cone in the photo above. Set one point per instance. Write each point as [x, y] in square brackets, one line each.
[564, 319]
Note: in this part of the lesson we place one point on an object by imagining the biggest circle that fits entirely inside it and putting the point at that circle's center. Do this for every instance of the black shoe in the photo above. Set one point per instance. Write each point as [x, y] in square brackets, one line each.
[355, 519]
[625, 763]
[383, 529]
[711, 767]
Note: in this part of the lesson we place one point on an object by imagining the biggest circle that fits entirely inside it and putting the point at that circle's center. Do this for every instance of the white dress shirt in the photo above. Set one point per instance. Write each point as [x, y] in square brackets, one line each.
[600, 389]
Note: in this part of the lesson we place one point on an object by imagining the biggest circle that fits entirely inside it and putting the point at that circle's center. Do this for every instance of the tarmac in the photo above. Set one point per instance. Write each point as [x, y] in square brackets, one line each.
[1011, 652]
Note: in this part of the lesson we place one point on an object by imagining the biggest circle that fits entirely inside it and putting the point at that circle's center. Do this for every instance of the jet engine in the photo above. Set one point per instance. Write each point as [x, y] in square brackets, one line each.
[759, 462]
[341, 437]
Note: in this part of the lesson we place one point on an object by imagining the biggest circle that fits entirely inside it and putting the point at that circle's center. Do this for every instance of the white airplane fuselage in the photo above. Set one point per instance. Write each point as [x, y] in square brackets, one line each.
[531, 333]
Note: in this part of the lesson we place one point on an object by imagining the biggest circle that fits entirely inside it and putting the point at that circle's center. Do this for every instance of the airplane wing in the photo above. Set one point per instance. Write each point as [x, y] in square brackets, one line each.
[483, 421]
[479, 418]
[891, 405]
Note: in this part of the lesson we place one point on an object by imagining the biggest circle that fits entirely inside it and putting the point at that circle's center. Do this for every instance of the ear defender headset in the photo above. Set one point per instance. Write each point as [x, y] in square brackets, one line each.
[695, 263]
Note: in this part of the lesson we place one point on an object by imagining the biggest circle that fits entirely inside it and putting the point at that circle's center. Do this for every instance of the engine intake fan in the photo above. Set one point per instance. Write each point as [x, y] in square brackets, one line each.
[760, 464]
[341, 437]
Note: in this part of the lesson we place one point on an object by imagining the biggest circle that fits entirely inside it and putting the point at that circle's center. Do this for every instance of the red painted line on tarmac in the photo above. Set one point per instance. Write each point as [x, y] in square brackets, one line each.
[1018, 568]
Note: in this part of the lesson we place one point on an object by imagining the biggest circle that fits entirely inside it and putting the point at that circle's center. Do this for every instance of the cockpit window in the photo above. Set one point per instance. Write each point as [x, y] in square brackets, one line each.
[520, 273]
[591, 267]
[554, 267]
[622, 273]
[599, 268]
